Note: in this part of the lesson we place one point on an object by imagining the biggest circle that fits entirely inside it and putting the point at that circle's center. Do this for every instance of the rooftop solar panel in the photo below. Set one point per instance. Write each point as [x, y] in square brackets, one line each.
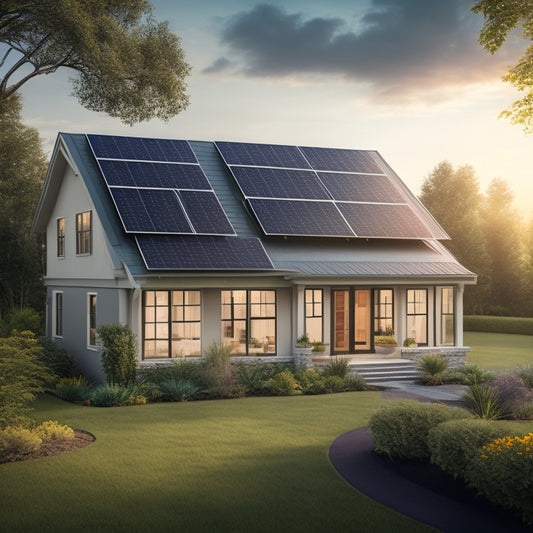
[262, 155]
[294, 217]
[150, 210]
[206, 213]
[341, 160]
[141, 148]
[279, 183]
[176, 252]
[361, 187]
[393, 221]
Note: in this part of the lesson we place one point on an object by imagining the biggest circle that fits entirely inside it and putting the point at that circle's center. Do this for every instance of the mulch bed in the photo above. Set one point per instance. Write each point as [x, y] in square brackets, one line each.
[56, 447]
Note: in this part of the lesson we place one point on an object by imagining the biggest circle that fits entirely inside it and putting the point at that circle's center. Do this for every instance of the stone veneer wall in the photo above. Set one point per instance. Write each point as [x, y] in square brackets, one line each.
[456, 355]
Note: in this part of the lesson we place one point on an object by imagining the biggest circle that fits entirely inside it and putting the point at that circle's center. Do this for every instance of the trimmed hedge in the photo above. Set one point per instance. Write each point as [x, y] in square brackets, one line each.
[453, 444]
[401, 428]
[499, 324]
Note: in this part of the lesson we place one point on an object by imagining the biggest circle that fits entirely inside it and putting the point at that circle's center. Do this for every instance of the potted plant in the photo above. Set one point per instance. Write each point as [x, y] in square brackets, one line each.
[385, 344]
[303, 350]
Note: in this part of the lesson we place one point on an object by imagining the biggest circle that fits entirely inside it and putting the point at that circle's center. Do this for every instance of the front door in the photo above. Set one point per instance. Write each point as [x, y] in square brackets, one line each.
[352, 321]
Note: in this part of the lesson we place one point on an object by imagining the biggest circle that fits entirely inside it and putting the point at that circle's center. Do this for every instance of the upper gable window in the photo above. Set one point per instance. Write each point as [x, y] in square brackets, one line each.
[83, 232]
[61, 237]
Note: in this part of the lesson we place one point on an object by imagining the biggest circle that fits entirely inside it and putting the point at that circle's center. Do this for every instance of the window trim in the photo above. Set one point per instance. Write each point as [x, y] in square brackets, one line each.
[249, 318]
[60, 238]
[442, 314]
[90, 296]
[57, 318]
[377, 304]
[313, 303]
[81, 232]
[426, 314]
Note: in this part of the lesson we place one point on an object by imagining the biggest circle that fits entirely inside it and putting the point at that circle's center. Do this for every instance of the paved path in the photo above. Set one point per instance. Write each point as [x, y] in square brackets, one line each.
[449, 393]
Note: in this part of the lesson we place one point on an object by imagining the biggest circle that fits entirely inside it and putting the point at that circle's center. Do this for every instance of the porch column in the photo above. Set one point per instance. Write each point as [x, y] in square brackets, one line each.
[300, 312]
[459, 315]
[400, 319]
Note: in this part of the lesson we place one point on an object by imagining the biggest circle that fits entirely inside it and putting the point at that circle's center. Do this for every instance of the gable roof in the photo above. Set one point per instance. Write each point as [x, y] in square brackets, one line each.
[150, 240]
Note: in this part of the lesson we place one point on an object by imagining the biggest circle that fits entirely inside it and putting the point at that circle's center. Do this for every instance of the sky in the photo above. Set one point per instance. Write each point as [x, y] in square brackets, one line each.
[407, 78]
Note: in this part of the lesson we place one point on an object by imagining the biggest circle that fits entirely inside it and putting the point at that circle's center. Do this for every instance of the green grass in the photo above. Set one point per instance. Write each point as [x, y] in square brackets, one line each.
[499, 351]
[253, 464]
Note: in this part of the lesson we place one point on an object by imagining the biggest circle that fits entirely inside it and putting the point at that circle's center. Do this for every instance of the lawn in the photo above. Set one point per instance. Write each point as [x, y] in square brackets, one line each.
[255, 464]
[499, 351]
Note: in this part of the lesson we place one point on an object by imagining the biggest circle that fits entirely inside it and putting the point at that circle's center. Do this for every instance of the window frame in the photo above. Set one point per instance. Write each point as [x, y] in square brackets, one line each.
[378, 308]
[91, 319]
[169, 306]
[57, 320]
[60, 237]
[249, 319]
[313, 303]
[443, 315]
[84, 245]
[416, 314]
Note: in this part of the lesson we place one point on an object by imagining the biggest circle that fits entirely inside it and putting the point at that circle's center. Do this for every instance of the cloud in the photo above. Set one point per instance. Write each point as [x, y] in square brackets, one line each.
[398, 48]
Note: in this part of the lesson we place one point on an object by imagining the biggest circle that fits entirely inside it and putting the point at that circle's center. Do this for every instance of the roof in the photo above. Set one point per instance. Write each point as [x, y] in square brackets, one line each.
[283, 240]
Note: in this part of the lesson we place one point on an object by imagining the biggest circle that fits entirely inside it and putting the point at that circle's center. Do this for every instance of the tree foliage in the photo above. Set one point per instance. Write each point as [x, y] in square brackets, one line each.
[502, 17]
[22, 171]
[126, 64]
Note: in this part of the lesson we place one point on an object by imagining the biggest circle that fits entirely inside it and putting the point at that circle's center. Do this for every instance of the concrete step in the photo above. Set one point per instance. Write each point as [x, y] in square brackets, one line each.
[381, 370]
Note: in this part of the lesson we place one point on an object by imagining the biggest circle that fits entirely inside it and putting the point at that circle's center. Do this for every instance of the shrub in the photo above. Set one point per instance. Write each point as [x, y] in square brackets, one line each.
[515, 398]
[432, 367]
[525, 373]
[499, 324]
[385, 340]
[313, 382]
[338, 367]
[454, 443]
[503, 472]
[467, 375]
[401, 428]
[119, 353]
[22, 377]
[52, 430]
[483, 400]
[253, 377]
[73, 389]
[355, 382]
[114, 395]
[283, 384]
[409, 342]
[58, 361]
[15, 442]
[181, 369]
[179, 390]
[27, 319]
[218, 374]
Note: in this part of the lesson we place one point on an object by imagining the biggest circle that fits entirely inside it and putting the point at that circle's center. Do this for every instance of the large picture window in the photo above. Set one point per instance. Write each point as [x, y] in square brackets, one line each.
[60, 237]
[171, 324]
[417, 315]
[249, 321]
[83, 232]
[383, 312]
[447, 329]
[314, 314]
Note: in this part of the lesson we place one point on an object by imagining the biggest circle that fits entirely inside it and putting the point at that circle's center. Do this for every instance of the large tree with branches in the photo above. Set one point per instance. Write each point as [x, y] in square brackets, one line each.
[124, 62]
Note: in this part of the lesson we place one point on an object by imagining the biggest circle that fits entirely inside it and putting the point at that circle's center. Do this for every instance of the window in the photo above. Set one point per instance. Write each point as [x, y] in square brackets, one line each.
[83, 232]
[249, 321]
[60, 237]
[383, 312]
[447, 329]
[417, 315]
[58, 314]
[91, 321]
[172, 324]
[314, 314]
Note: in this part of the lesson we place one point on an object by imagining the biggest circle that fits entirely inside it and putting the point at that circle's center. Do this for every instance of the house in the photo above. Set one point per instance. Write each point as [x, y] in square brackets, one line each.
[249, 245]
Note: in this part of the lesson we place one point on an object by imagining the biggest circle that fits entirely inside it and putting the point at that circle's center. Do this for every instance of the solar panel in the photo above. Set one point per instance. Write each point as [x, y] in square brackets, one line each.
[361, 188]
[384, 220]
[279, 183]
[141, 148]
[206, 213]
[150, 210]
[261, 155]
[154, 175]
[293, 217]
[341, 160]
[176, 252]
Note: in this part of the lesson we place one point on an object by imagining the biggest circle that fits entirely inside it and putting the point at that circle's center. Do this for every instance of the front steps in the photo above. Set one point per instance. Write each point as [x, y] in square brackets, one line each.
[376, 371]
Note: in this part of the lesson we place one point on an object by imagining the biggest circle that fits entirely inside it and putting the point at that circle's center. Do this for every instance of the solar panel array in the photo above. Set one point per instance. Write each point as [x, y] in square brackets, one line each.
[158, 186]
[322, 192]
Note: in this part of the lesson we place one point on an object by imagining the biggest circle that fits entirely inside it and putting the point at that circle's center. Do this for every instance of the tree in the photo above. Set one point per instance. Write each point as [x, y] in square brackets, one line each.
[22, 171]
[501, 17]
[127, 64]
[454, 199]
